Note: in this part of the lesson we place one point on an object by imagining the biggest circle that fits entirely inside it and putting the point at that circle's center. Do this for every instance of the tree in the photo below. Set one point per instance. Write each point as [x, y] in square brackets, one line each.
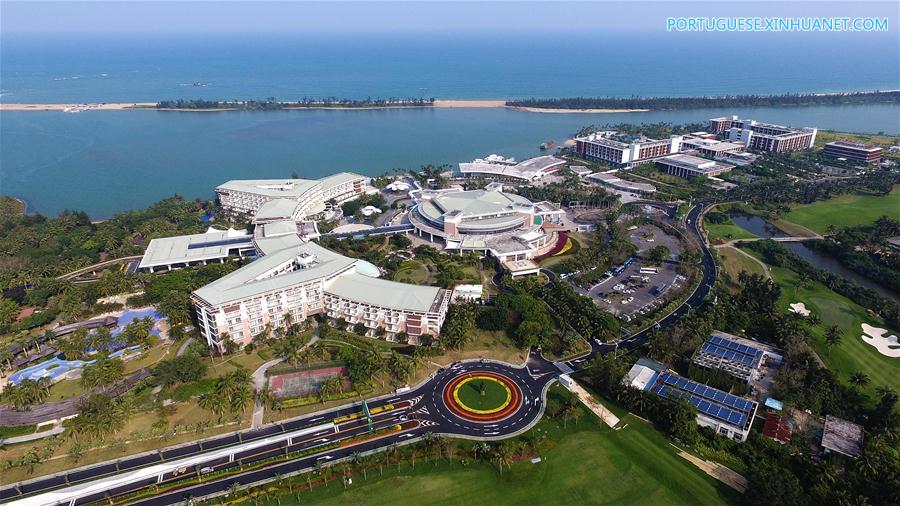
[104, 371]
[859, 379]
[832, 336]
[9, 311]
[657, 254]
[183, 369]
[500, 456]
[99, 415]
[27, 393]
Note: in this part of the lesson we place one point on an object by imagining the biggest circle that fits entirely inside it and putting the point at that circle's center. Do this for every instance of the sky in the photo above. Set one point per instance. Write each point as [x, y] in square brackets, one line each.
[97, 17]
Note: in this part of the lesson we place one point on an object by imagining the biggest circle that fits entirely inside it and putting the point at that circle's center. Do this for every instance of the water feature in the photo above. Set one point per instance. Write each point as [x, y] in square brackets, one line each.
[763, 228]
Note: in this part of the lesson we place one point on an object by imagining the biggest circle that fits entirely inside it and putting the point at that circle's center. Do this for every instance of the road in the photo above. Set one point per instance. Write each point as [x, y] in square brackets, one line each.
[417, 412]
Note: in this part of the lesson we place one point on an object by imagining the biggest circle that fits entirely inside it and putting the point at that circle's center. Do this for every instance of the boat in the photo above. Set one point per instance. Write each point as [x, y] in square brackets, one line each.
[547, 145]
[199, 84]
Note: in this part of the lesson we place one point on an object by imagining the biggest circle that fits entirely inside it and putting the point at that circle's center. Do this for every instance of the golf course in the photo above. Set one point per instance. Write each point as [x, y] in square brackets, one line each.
[845, 211]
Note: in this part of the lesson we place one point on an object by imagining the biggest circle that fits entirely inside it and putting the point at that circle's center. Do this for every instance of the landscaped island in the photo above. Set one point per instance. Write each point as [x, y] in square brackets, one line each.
[677, 103]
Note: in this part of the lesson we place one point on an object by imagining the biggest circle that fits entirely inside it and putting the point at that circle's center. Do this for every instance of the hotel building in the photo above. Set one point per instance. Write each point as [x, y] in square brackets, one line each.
[507, 169]
[288, 198]
[764, 136]
[688, 166]
[290, 278]
[853, 151]
[625, 151]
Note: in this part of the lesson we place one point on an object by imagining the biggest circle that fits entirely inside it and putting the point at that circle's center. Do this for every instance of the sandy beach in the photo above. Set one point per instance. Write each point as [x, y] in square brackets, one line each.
[454, 104]
[575, 111]
[438, 104]
[84, 107]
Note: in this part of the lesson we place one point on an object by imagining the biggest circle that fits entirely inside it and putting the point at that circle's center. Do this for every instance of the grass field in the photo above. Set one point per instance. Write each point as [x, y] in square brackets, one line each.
[494, 394]
[413, 272]
[845, 211]
[852, 354]
[589, 464]
[726, 232]
[734, 262]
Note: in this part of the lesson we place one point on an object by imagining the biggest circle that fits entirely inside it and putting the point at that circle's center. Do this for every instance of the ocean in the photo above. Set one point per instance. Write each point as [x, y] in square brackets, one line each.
[103, 162]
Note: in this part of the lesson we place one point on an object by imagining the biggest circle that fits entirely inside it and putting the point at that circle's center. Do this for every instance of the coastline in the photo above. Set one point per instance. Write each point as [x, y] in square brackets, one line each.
[438, 104]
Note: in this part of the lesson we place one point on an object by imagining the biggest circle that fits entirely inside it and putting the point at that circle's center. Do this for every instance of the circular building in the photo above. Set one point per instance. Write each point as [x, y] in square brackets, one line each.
[490, 221]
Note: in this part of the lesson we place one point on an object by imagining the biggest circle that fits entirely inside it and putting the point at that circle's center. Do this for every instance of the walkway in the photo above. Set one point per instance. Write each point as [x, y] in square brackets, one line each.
[762, 264]
[57, 429]
[776, 239]
[184, 346]
[100, 265]
[718, 471]
[594, 405]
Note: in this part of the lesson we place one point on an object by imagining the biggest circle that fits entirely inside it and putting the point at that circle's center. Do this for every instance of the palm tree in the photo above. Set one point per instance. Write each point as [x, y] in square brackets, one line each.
[480, 448]
[501, 456]
[832, 336]
[215, 402]
[102, 372]
[859, 379]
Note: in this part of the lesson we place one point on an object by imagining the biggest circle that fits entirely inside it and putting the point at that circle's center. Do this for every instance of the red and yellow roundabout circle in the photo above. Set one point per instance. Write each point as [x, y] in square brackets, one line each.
[505, 400]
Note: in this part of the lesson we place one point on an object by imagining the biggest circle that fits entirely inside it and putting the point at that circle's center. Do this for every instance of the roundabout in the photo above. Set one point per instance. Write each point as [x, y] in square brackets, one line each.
[482, 396]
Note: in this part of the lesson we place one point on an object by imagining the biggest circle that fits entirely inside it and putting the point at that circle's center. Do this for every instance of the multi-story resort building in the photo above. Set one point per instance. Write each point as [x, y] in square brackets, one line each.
[688, 166]
[294, 199]
[298, 279]
[620, 150]
[291, 279]
[866, 153]
[764, 136]
[497, 168]
[489, 221]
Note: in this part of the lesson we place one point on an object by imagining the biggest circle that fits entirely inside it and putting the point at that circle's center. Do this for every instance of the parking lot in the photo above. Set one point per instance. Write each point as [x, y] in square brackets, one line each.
[637, 286]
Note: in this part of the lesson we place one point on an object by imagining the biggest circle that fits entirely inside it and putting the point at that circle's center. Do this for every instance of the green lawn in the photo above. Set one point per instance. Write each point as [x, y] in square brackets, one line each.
[470, 394]
[590, 464]
[852, 354]
[734, 262]
[845, 211]
[726, 232]
[413, 272]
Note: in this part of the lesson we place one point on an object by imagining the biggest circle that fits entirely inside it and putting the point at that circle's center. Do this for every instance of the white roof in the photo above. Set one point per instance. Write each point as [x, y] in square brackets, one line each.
[213, 244]
[384, 293]
[532, 168]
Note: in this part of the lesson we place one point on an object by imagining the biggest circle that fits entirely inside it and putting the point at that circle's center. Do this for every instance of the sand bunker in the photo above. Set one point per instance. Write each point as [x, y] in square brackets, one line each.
[886, 345]
[799, 308]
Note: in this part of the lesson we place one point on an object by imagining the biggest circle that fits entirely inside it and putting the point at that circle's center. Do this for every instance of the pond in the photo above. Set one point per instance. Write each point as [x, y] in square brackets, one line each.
[762, 228]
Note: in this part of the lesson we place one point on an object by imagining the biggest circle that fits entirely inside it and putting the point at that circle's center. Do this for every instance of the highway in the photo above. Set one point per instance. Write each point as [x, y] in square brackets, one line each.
[335, 434]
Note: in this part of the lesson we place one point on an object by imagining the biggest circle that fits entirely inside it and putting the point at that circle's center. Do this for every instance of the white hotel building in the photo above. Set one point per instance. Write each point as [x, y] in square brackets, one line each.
[306, 197]
[292, 278]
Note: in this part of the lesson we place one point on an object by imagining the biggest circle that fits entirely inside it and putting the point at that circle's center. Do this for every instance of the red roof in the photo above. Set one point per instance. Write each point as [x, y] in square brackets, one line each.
[25, 313]
[777, 427]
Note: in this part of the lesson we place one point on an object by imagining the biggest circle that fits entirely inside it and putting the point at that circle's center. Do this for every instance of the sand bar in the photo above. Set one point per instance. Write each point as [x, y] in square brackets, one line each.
[438, 104]
[84, 107]
[575, 111]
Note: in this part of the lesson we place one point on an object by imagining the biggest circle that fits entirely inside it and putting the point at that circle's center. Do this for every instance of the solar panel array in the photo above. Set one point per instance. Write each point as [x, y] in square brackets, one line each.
[710, 401]
[738, 349]
[734, 356]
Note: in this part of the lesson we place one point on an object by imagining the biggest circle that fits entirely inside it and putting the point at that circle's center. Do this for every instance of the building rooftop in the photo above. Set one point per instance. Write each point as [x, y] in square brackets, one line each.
[264, 274]
[694, 163]
[842, 436]
[709, 401]
[211, 245]
[530, 169]
[619, 183]
[855, 145]
[276, 209]
[275, 188]
[338, 179]
[384, 293]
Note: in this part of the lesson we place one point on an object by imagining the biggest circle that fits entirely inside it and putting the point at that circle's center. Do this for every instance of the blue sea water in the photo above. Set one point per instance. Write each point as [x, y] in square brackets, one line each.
[108, 161]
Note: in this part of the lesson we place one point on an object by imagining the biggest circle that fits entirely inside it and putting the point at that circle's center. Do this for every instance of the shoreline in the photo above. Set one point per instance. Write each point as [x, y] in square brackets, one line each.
[438, 104]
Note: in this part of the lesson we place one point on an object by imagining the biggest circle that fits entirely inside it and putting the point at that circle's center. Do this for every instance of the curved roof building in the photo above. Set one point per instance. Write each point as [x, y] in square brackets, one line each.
[505, 225]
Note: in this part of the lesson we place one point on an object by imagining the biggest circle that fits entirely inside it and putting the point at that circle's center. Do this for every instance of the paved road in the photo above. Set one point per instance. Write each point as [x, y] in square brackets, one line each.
[418, 411]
